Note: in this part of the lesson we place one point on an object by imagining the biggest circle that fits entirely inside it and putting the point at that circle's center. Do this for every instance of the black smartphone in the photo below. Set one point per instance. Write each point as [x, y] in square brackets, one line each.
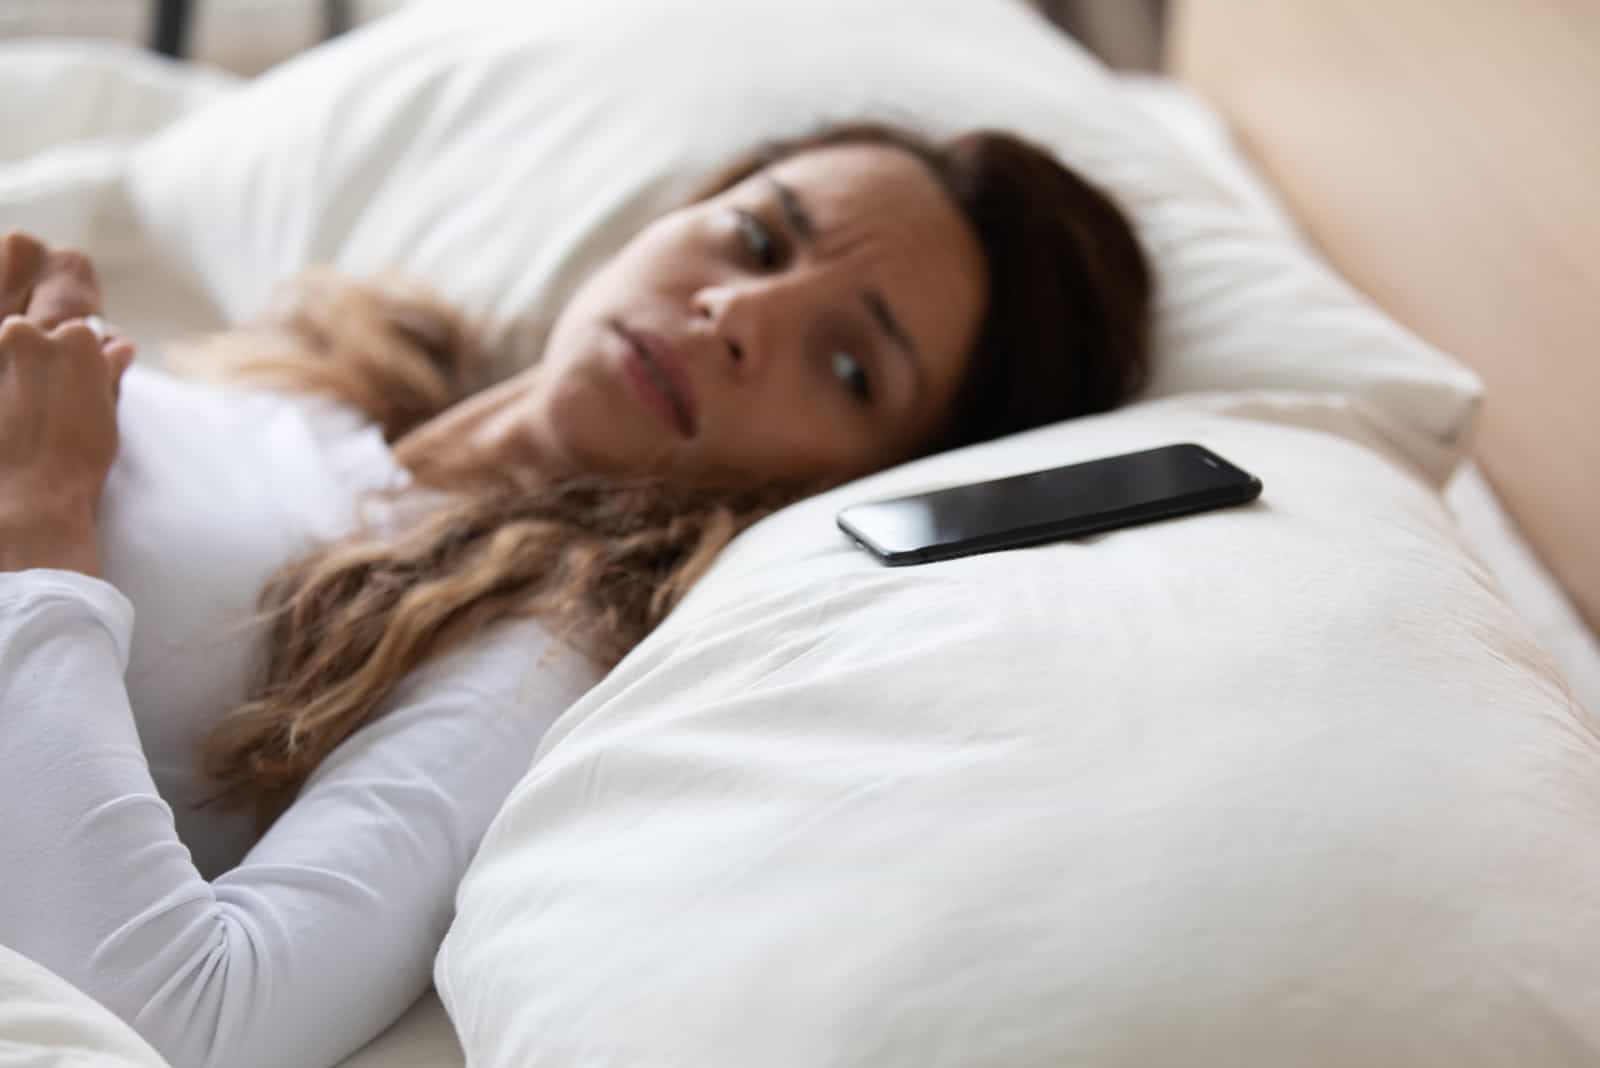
[1041, 506]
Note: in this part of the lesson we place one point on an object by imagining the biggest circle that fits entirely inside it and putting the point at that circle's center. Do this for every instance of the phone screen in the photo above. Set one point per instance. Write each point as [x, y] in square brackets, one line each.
[1046, 505]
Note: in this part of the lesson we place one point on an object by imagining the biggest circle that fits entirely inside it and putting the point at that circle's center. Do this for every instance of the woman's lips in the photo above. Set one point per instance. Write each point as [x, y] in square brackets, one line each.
[657, 374]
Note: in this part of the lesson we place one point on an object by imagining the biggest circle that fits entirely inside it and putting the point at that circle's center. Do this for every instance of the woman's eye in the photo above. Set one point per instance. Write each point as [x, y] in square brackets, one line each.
[848, 369]
[758, 240]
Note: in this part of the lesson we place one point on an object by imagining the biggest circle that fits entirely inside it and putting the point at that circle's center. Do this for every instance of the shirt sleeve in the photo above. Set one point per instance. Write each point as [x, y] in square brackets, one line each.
[327, 930]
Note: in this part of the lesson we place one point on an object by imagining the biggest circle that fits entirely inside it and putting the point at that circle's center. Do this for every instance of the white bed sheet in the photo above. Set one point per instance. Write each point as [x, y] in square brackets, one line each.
[1529, 587]
[56, 184]
[422, 1038]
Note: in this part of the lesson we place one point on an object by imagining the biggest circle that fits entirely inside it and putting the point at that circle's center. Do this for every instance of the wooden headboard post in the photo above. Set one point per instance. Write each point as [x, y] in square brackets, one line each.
[1445, 156]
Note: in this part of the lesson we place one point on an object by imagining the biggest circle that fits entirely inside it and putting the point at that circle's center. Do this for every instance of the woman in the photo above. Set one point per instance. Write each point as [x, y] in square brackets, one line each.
[446, 570]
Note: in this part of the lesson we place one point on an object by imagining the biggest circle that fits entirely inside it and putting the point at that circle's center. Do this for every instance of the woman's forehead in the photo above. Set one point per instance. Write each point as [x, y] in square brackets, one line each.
[879, 198]
[840, 183]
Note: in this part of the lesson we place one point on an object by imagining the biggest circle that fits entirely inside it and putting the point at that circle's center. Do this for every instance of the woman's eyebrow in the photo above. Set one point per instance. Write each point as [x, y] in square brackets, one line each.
[805, 229]
[795, 212]
[885, 317]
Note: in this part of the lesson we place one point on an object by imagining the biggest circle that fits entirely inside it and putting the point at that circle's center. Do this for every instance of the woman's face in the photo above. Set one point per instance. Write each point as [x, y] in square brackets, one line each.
[812, 322]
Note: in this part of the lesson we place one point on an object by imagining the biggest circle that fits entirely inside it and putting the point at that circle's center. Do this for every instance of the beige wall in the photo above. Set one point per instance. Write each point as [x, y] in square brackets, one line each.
[1446, 157]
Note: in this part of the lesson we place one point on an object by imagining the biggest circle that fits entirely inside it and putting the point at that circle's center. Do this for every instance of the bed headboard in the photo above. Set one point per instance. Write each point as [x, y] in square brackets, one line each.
[1445, 156]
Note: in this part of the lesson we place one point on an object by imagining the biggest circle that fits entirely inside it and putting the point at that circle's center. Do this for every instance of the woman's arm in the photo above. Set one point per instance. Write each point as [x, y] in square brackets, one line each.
[328, 929]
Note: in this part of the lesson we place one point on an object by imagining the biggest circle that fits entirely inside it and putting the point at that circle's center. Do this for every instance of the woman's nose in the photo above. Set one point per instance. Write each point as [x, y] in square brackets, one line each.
[732, 323]
[755, 319]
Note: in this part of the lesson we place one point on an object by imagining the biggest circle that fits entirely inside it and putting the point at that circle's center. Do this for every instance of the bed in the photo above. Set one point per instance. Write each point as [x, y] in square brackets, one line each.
[1321, 795]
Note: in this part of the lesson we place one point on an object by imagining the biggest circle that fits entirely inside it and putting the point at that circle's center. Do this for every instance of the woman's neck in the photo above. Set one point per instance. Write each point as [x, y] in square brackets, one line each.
[490, 436]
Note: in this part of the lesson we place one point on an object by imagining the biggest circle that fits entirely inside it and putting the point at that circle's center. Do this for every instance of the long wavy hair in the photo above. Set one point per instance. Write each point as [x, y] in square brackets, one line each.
[602, 561]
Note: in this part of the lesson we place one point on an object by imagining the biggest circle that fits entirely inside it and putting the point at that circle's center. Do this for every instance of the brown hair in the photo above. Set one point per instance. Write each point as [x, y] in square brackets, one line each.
[602, 561]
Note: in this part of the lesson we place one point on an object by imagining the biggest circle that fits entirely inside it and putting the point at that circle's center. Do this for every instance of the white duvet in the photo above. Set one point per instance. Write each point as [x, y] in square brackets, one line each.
[45, 1022]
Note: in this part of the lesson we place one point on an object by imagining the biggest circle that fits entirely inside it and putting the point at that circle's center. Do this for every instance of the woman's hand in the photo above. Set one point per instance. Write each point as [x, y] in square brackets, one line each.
[58, 423]
[58, 436]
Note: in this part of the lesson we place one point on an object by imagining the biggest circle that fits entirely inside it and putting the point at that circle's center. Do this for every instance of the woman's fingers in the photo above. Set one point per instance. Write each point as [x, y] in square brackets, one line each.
[67, 288]
[21, 337]
[118, 350]
[22, 260]
[75, 341]
[119, 353]
[77, 347]
[47, 285]
[80, 340]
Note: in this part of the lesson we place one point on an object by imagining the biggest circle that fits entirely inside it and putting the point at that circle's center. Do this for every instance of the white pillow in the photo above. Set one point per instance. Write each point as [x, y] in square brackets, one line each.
[1281, 784]
[46, 1022]
[60, 91]
[1204, 134]
[502, 149]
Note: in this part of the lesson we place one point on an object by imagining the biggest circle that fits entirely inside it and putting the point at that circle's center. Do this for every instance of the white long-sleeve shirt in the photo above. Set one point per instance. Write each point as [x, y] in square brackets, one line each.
[220, 949]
